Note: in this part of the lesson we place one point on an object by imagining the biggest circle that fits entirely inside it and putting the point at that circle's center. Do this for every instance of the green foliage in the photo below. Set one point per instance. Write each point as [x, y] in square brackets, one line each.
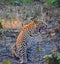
[27, 1]
[1, 33]
[17, 1]
[7, 62]
[52, 59]
[38, 49]
[0, 23]
[52, 2]
[12, 1]
[47, 56]
[58, 56]
[6, 1]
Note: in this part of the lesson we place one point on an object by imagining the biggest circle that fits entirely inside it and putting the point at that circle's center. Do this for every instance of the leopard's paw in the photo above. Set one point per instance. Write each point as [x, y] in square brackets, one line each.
[15, 56]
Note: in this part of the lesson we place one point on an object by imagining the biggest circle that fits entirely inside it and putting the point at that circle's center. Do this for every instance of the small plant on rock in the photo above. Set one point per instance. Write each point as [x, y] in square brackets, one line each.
[7, 62]
[52, 59]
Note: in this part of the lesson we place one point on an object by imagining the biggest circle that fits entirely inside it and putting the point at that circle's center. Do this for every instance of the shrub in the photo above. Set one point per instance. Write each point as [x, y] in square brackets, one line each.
[52, 59]
[27, 1]
[52, 2]
[18, 2]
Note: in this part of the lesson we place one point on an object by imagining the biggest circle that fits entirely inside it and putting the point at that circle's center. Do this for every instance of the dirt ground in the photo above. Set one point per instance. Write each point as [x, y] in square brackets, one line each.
[29, 12]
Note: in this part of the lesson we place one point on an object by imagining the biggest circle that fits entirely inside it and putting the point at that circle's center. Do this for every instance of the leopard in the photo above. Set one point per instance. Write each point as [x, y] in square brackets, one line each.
[21, 42]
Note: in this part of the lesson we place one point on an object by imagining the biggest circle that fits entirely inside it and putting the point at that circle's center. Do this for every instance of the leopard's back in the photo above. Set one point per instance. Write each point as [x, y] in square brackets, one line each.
[26, 36]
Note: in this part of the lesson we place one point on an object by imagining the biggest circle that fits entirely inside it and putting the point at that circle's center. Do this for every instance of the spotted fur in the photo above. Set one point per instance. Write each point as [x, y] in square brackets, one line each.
[21, 41]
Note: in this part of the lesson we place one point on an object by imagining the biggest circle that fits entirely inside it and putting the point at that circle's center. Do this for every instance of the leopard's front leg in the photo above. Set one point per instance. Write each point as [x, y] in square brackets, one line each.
[13, 52]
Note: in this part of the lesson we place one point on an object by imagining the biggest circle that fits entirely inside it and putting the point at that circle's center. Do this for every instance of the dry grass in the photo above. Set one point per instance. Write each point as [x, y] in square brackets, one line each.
[14, 24]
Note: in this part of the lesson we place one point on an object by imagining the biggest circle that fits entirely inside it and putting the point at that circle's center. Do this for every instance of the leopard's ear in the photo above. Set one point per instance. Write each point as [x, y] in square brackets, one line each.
[35, 21]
